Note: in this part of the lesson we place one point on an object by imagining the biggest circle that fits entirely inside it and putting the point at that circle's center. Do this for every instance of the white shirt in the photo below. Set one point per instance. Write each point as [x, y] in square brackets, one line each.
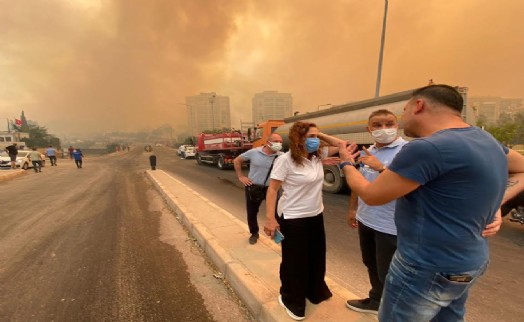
[301, 185]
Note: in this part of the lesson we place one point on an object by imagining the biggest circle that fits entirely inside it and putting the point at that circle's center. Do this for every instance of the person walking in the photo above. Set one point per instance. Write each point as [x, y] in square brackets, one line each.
[36, 158]
[376, 225]
[300, 174]
[77, 155]
[51, 154]
[12, 151]
[71, 150]
[260, 163]
[449, 183]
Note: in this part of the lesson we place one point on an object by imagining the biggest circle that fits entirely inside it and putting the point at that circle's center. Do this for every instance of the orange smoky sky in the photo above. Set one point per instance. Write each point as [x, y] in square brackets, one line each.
[91, 66]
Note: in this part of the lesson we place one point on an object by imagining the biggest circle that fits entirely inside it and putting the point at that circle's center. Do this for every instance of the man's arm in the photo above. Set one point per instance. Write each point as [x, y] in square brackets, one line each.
[352, 213]
[516, 175]
[387, 187]
[237, 163]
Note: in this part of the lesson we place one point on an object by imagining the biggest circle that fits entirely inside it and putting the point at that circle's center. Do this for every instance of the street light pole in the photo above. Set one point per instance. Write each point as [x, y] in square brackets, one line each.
[212, 101]
[382, 40]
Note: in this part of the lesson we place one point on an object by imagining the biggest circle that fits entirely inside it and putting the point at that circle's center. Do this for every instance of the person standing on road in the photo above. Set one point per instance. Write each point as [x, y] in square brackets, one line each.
[12, 150]
[449, 183]
[376, 224]
[300, 174]
[71, 150]
[77, 155]
[36, 158]
[51, 154]
[260, 162]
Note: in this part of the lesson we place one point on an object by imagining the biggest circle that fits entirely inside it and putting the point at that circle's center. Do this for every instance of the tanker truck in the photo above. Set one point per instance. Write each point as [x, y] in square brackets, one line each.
[348, 122]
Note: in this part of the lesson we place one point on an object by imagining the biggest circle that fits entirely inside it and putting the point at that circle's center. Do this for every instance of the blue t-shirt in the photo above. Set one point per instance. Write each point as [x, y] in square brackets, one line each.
[380, 218]
[463, 174]
[77, 155]
[259, 164]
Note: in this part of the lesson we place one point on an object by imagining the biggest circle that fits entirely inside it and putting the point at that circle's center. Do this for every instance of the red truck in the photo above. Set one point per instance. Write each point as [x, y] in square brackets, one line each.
[221, 149]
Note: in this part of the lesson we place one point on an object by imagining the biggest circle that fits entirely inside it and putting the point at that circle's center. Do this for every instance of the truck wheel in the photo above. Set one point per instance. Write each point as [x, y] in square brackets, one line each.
[333, 182]
[221, 163]
[198, 159]
[25, 166]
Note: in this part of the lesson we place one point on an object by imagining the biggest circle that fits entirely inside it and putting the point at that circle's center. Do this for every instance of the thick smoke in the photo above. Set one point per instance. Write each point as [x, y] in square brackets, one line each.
[91, 66]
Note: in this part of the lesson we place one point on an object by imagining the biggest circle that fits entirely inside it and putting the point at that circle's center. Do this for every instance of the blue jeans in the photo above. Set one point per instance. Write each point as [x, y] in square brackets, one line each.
[413, 295]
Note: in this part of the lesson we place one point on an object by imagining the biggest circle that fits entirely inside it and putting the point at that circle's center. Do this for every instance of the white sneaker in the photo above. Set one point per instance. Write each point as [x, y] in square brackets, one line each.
[291, 315]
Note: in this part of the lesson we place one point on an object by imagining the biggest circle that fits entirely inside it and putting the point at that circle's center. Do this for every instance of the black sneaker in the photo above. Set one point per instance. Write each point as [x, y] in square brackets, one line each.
[253, 239]
[365, 305]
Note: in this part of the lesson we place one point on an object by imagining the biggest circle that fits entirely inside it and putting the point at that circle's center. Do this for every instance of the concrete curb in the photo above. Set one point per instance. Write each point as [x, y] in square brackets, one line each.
[255, 294]
[10, 174]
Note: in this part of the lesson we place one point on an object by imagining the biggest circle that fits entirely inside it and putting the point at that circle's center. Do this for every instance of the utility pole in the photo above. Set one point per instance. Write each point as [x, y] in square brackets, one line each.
[212, 101]
[382, 40]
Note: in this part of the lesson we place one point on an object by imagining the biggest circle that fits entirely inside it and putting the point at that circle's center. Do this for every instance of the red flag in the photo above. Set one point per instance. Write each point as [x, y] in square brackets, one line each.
[18, 122]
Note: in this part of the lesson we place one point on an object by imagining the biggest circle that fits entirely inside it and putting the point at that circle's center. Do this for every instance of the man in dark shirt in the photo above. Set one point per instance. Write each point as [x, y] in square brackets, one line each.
[12, 150]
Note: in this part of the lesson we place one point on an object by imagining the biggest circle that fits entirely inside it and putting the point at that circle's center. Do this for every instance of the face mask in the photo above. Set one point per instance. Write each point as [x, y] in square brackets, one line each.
[385, 135]
[275, 146]
[312, 144]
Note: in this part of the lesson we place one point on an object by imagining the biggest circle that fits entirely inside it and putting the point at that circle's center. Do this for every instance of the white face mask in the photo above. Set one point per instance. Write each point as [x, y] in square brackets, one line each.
[275, 146]
[385, 136]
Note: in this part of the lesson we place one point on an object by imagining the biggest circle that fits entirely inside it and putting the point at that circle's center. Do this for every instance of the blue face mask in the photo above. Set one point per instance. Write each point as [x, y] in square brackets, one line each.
[312, 144]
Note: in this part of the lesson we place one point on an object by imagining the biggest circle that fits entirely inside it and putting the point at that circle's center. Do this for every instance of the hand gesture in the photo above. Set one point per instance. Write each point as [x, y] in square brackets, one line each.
[348, 152]
[370, 160]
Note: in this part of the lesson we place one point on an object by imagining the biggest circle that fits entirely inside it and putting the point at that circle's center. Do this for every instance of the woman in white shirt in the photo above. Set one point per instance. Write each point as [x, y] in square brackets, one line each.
[300, 174]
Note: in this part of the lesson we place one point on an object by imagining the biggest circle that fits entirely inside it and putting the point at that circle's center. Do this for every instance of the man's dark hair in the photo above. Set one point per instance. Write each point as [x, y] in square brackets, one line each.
[442, 94]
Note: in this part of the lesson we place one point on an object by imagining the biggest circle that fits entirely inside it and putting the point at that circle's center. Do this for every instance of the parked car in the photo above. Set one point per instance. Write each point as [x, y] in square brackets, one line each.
[182, 149]
[189, 152]
[22, 161]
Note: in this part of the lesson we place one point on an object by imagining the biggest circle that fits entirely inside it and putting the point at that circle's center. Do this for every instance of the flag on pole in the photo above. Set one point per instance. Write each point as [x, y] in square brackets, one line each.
[18, 122]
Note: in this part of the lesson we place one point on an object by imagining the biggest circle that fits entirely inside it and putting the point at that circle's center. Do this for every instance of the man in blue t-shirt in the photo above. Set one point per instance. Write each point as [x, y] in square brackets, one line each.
[450, 182]
[260, 162]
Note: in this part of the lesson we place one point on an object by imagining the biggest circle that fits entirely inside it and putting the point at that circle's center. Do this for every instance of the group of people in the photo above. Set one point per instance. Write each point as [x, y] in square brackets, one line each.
[423, 208]
[36, 158]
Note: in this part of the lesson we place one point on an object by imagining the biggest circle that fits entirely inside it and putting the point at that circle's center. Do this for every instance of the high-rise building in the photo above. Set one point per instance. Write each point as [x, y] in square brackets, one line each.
[490, 108]
[207, 111]
[271, 105]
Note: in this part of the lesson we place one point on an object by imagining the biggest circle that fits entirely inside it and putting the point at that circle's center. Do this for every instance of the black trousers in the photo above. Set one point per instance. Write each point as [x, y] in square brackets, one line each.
[303, 266]
[52, 159]
[78, 163]
[252, 208]
[37, 165]
[377, 249]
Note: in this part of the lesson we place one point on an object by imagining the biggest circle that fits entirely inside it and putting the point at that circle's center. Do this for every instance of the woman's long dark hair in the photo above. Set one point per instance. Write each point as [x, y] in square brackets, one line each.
[297, 140]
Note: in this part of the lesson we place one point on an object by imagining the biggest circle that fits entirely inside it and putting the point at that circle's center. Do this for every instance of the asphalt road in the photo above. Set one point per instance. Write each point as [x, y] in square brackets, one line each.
[498, 296]
[98, 244]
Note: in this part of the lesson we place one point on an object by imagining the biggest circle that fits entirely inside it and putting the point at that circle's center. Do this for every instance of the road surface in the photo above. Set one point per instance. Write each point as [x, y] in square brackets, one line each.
[98, 244]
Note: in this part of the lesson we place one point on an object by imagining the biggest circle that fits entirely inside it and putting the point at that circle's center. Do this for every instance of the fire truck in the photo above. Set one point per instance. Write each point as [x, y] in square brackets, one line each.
[348, 122]
[221, 149]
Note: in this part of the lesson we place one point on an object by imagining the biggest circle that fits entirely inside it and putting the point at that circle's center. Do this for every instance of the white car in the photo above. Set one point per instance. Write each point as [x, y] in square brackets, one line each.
[189, 152]
[186, 151]
[22, 161]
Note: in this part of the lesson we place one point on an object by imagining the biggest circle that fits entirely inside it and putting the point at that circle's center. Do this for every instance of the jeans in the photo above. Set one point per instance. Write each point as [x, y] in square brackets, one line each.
[377, 249]
[52, 159]
[412, 294]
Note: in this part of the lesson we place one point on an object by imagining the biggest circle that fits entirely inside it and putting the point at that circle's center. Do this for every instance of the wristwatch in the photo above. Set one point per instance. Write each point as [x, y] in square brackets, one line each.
[382, 169]
[345, 163]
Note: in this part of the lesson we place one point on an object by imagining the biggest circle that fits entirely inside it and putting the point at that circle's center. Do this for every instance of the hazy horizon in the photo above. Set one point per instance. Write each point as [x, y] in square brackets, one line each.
[91, 66]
